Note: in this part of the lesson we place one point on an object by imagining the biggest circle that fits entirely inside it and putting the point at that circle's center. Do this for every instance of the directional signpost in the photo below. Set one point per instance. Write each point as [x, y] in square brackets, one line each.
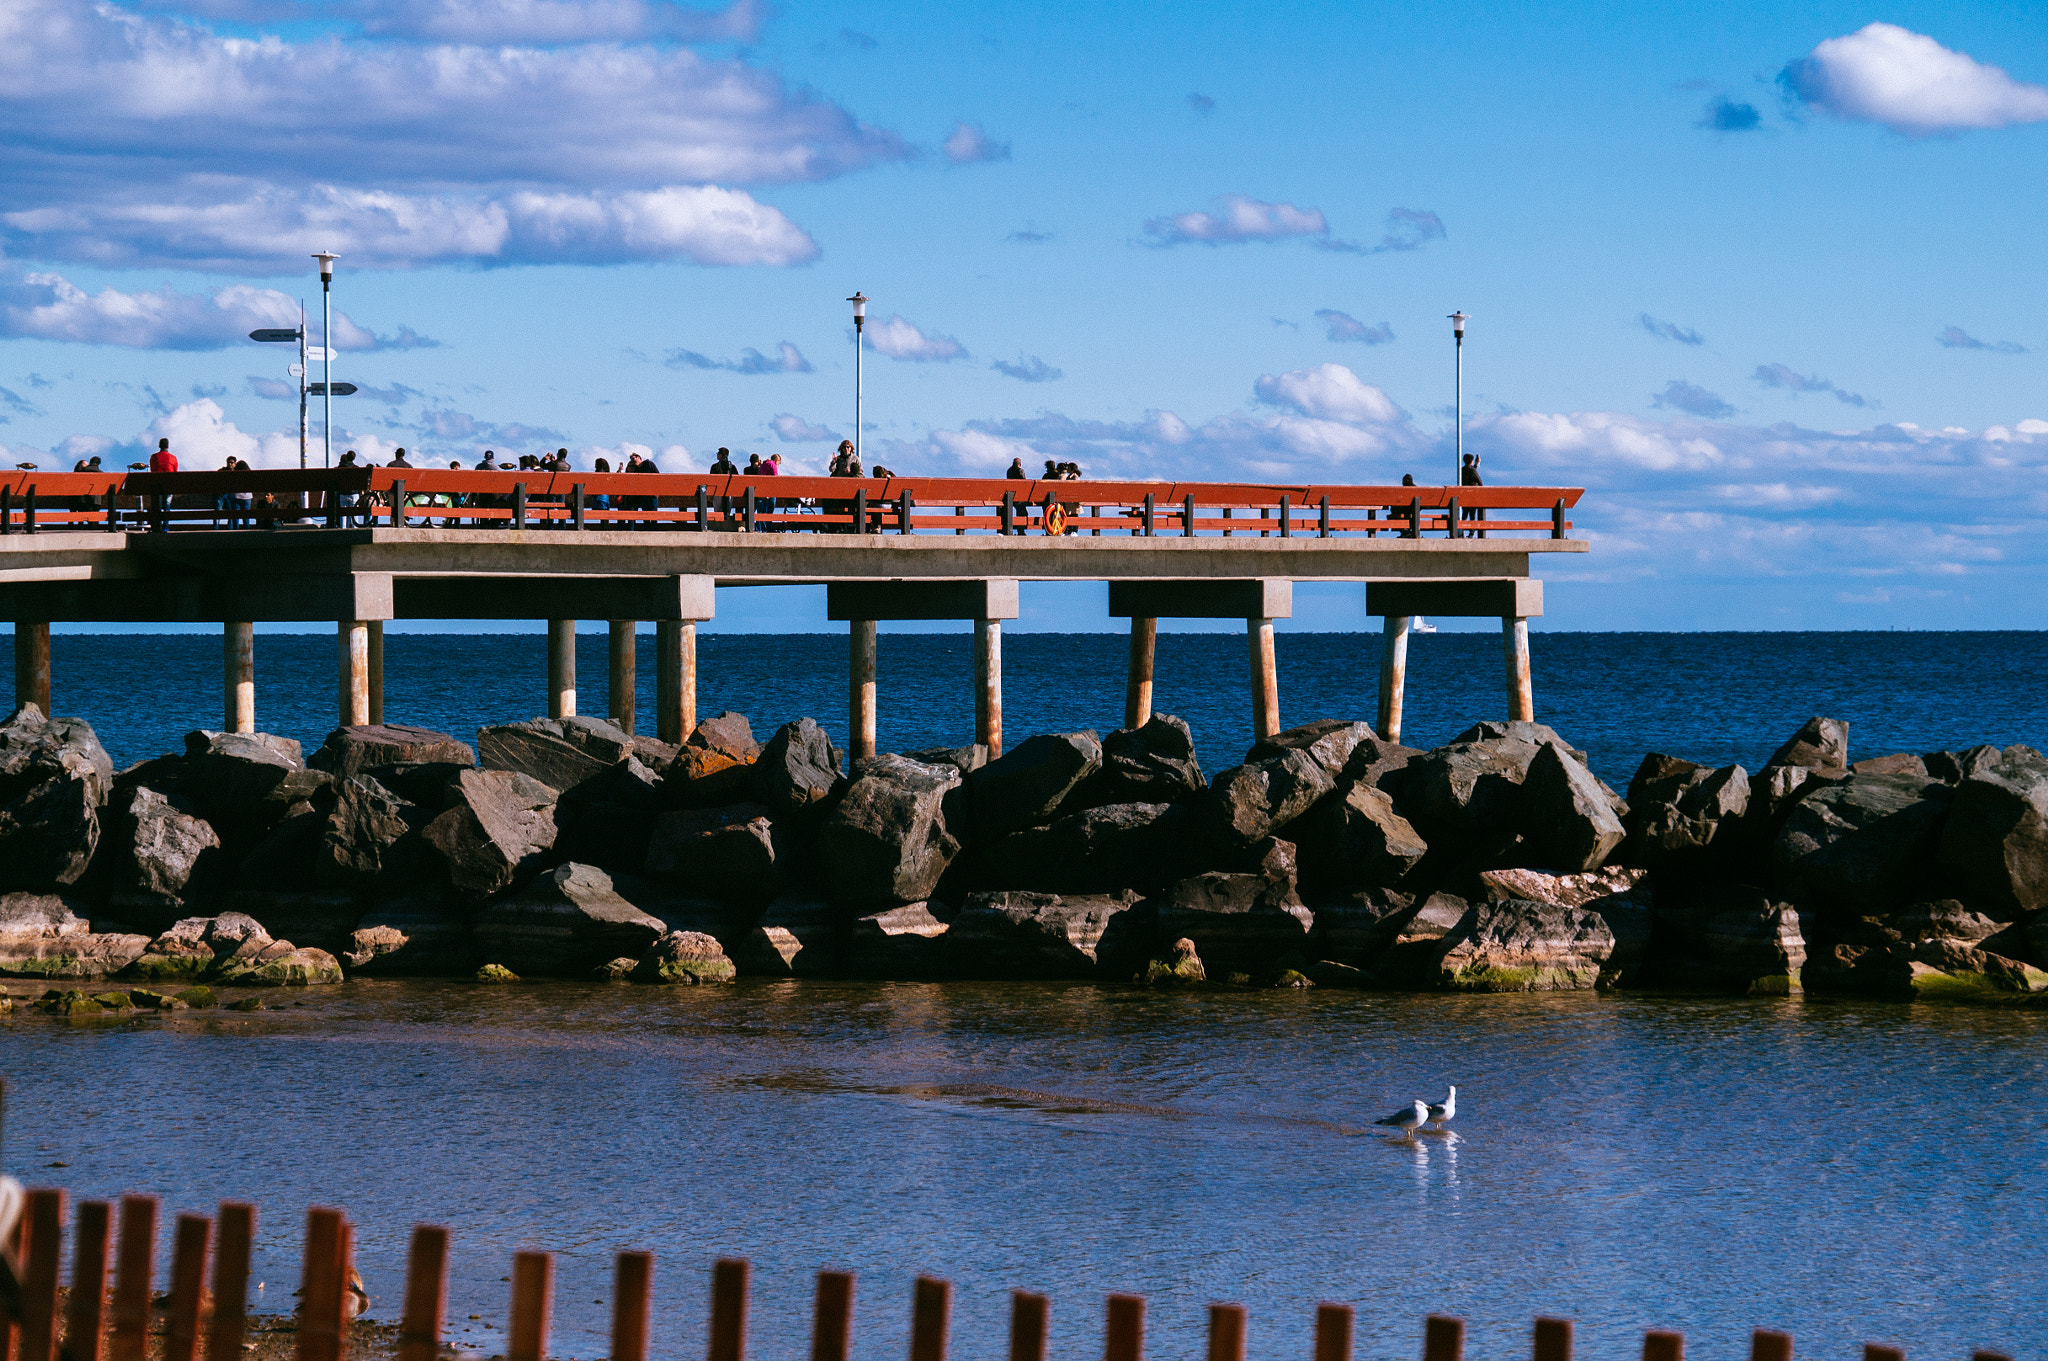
[280, 334]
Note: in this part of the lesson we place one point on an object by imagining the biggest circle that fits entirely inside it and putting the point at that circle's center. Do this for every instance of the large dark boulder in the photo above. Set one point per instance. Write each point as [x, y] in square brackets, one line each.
[565, 924]
[1240, 923]
[886, 841]
[350, 751]
[1379, 763]
[1524, 946]
[903, 944]
[1261, 798]
[1154, 763]
[1044, 935]
[1520, 730]
[684, 957]
[1822, 744]
[413, 937]
[723, 742]
[559, 752]
[1330, 742]
[966, 759]
[41, 937]
[1468, 792]
[245, 783]
[735, 853]
[1860, 845]
[54, 778]
[1953, 767]
[1727, 937]
[1351, 929]
[287, 858]
[372, 839]
[1996, 840]
[498, 827]
[798, 936]
[1356, 838]
[1143, 846]
[160, 859]
[608, 820]
[797, 769]
[1677, 809]
[1567, 817]
[1025, 787]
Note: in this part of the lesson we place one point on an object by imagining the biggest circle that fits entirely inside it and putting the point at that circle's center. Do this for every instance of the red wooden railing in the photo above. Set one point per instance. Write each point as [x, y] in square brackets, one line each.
[892, 505]
[324, 1302]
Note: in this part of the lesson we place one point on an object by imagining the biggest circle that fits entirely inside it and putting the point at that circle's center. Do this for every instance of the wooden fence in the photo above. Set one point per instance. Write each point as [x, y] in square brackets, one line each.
[30, 501]
[324, 1302]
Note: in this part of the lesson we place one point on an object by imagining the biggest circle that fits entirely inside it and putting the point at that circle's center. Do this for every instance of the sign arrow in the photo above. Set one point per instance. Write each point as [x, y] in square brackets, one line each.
[338, 389]
[272, 333]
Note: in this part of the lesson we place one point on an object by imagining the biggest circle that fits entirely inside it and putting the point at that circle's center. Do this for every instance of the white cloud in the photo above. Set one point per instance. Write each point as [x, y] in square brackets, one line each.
[969, 144]
[899, 339]
[555, 21]
[796, 430]
[1330, 392]
[150, 140]
[1238, 219]
[1029, 368]
[1342, 326]
[202, 436]
[787, 359]
[51, 307]
[1911, 84]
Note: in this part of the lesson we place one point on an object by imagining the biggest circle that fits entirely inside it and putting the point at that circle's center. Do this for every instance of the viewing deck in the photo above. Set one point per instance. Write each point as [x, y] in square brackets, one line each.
[364, 546]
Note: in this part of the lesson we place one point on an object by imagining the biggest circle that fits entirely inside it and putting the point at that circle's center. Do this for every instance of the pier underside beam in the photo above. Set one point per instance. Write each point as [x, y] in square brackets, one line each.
[564, 597]
[1513, 600]
[993, 598]
[203, 600]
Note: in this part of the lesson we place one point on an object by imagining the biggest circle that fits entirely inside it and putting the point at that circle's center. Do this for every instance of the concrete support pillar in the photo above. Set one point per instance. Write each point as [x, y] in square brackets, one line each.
[624, 661]
[238, 676]
[1138, 684]
[561, 668]
[1393, 676]
[1514, 633]
[376, 670]
[352, 637]
[1265, 679]
[32, 666]
[988, 685]
[860, 688]
[675, 679]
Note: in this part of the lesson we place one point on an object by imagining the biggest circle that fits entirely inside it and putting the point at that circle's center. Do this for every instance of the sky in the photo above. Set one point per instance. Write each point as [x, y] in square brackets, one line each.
[1765, 279]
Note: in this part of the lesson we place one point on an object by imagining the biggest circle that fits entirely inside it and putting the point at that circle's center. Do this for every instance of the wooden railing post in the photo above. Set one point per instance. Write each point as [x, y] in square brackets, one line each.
[1333, 1332]
[1030, 1316]
[322, 1284]
[188, 1284]
[519, 505]
[931, 1315]
[28, 509]
[703, 508]
[1226, 1332]
[632, 1305]
[1414, 518]
[533, 1292]
[1557, 519]
[45, 1215]
[1148, 514]
[903, 515]
[1286, 528]
[1009, 512]
[113, 513]
[1323, 520]
[1124, 1336]
[1187, 516]
[860, 512]
[728, 1310]
[576, 505]
[398, 504]
[1659, 1345]
[134, 1260]
[426, 1294]
[832, 1319]
[86, 1321]
[747, 510]
[1443, 1338]
[1451, 520]
[1553, 1339]
[1766, 1344]
[231, 1281]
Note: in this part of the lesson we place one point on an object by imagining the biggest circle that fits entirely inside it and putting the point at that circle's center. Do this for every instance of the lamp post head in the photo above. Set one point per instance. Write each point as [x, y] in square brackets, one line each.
[860, 308]
[1458, 325]
[326, 259]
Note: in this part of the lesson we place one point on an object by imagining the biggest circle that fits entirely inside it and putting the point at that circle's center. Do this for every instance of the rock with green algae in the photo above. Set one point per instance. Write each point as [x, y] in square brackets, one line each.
[1179, 967]
[291, 968]
[69, 1003]
[246, 1004]
[197, 996]
[1293, 978]
[615, 971]
[496, 973]
[685, 957]
[113, 1001]
[150, 1000]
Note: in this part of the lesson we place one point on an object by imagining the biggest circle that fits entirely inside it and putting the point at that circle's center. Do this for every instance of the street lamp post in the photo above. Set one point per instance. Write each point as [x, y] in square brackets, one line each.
[326, 259]
[860, 315]
[1458, 445]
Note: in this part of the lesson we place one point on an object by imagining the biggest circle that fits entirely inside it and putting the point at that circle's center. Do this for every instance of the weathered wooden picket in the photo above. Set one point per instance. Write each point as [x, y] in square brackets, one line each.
[324, 1308]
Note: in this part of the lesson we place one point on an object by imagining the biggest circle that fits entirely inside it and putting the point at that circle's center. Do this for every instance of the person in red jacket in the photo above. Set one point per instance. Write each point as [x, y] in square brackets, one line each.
[163, 460]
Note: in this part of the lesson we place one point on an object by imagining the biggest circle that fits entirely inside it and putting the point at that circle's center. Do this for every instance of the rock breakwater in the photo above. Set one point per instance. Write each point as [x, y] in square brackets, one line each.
[1327, 857]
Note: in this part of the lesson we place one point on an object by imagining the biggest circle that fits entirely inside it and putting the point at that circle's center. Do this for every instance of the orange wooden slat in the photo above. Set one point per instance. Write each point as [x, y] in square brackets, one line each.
[831, 1317]
[729, 1309]
[632, 1305]
[1875, 1351]
[1030, 1324]
[426, 1294]
[1766, 1344]
[322, 1281]
[533, 1294]
[1553, 1340]
[931, 1316]
[1660, 1345]
[231, 1281]
[188, 1284]
[1226, 1332]
[134, 1262]
[1124, 1333]
[45, 1214]
[86, 1320]
[1443, 1338]
[1333, 1332]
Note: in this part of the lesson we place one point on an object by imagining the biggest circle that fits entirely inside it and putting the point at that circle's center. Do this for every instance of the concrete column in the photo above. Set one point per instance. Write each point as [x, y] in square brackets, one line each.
[238, 666]
[561, 668]
[1265, 679]
[624, 660]
[1514, 632]
[860, 688]
[1138, 684]
[675, 679]
[988, 685]
[1393, 676]
[32, 666]
[353, 639]
[376, 670]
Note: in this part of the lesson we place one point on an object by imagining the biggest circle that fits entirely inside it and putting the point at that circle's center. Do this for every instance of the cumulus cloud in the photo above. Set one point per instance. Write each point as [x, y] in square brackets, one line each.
[1723, 114]
[969, 144]
[1692, 400]
[1956, 338]
[1670, 330]
[795, 430]
[1780, 376]
[1237, 219]
[1407, 229]
[50, 307]
[1029, 368]
[899, 339]
[788, 359]
[1329, 392]
[1342, 326]
[447, 426]
[1910, 83]
[140, 140]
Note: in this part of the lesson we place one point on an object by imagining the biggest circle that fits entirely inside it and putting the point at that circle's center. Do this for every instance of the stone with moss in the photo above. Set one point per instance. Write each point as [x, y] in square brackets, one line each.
[1179, 967]
[1292, 978]
[113, 1001]
[148, 999]
[69, 1003]
[197, 996]
[685, 957]
[246, 1004]
[496, 973]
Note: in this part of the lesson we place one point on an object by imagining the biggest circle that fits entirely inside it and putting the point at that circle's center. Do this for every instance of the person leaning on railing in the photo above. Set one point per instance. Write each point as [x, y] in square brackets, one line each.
[1468, 476]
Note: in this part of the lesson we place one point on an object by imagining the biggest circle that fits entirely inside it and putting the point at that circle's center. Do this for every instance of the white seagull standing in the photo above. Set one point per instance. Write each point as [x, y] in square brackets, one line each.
[1407, 1121]
[1441, 1113]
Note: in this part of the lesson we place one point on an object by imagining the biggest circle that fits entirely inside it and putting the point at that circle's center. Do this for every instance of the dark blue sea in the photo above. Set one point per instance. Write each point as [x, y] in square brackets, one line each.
[1713, 697]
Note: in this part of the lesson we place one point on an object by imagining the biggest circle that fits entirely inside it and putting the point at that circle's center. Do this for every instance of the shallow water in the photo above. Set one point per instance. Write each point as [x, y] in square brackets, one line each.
[1849, 1171]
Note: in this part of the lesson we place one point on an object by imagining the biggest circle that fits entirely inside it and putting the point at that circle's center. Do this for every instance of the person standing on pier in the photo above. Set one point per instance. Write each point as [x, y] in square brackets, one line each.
[1468, 476]
[845, 463]
[1017, 473]
[163, 460]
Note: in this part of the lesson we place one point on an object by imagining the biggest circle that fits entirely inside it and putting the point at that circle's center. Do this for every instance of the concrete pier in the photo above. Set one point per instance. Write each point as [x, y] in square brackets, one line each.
[624, 660]
[1138, 680]
[1514, 601]
[860, 689]
[675, 679]
[376, 627]
[238, 682]
[985, 602]
[561, 668]
[988, 685]
[1265, 679]
[1393, 675]
[352, 637]
[1521, 700]
[32, 665]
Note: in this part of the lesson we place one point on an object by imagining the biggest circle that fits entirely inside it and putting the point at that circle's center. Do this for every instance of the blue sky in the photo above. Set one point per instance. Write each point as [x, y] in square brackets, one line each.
[1765, 279]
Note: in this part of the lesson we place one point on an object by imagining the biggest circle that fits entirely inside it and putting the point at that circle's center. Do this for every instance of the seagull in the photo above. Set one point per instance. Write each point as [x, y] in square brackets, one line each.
[1407, 1121]
[1441, 1113]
